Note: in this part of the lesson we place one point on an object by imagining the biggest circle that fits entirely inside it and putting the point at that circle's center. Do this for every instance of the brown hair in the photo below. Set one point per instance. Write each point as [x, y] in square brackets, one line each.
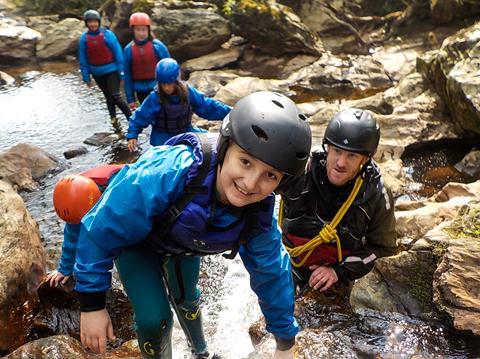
[181, 90]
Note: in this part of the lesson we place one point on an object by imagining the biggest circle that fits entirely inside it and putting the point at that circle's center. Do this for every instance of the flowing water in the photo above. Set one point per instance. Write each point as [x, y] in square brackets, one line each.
[51, 108]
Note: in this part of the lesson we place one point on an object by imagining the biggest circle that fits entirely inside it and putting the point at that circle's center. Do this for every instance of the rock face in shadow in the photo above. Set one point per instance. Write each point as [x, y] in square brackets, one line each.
[452, 71]
[23, 261]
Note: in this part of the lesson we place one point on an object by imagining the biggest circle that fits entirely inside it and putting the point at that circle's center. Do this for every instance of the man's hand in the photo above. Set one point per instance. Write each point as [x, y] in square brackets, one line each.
[132, 144]
[322, 277]
[95, 328]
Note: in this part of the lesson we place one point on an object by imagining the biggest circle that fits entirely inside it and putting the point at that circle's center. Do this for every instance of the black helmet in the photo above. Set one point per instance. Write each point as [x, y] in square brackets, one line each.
[91, 15]
[270, 127]
[353, 130]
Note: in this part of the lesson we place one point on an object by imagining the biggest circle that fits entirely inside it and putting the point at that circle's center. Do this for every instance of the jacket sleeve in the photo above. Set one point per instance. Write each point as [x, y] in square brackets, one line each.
[160, 49]
[127, 58]
[143, 116]
[69, 248]
[124, 216]
[117, 51]
[270, 278]
[207, 107]
[83, 59]
[380, 239]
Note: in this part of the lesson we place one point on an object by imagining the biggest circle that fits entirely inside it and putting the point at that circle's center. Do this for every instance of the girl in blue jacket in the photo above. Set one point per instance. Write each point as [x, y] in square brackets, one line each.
[141, 56]
[100, 56]
[199, 194]
[170, 106]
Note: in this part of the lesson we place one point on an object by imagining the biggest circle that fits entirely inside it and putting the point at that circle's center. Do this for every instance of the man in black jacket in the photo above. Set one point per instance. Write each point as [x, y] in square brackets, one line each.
[339, 217]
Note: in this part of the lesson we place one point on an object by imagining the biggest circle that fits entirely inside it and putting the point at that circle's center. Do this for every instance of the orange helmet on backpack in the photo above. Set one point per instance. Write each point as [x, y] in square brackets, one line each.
[74, 196]
[138, 19]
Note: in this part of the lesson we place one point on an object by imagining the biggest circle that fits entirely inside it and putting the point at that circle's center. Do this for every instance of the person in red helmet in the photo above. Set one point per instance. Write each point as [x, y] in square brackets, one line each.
[73, 197]
[140, 57]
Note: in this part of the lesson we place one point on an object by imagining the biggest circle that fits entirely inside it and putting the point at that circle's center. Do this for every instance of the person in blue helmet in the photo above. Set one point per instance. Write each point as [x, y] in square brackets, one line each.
[170, 106]
[100, 55]
[200, 194]
[141, 56]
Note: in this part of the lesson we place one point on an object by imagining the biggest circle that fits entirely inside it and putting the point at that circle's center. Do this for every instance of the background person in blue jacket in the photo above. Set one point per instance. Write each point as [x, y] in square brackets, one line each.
[169, 108]
[100, 55]
[140, 58]
[225, 185]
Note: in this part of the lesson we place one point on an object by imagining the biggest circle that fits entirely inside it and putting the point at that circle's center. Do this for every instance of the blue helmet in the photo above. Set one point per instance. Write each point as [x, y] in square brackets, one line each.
[168, 71]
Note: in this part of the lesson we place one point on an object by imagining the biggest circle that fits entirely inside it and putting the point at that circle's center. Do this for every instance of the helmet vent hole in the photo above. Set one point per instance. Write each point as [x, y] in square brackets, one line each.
[278, 103]
[302, 117]
[260, 133]
[302, 155]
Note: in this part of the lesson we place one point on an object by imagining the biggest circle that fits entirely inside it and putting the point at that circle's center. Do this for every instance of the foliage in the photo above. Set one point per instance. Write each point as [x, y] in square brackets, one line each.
[230, 6]
[145, 6]
[64, 8]
[467, 222]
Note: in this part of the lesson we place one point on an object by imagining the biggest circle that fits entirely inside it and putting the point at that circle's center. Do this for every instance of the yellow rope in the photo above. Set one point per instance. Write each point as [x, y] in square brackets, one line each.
[328, 232]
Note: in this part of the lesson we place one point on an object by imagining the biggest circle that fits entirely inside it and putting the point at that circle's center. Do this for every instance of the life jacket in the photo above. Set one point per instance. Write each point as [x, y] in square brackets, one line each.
[98, 52]
[144, 61]
[102, 175]
[186, 227]
[174, 117]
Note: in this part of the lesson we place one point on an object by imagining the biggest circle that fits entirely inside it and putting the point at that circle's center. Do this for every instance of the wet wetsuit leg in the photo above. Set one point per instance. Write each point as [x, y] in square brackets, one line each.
[113, 83]
[181, 273]
[142, 96]
[141, 275]
[102, 82]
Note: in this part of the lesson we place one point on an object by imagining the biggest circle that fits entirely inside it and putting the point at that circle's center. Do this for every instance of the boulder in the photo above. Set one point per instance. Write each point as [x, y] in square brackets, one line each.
[18, 43]
[60, 39]
[217, 59]
[274, 28]
[452, 72]
[445, 11]
[242, 86]
[51, 347]
[209, 82]
[470, 164]
[23, 262]
[24, 164]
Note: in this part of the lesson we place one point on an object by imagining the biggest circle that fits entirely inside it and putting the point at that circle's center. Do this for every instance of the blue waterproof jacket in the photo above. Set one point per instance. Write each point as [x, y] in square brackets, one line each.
[144, 190]
[146, 114]
[161, 52]
[112, 43]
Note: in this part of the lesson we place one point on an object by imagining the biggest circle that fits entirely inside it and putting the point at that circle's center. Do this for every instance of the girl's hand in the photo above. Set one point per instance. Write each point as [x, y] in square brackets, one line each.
[95, 328]
[132, 144]
[133, 106]
[55, 277]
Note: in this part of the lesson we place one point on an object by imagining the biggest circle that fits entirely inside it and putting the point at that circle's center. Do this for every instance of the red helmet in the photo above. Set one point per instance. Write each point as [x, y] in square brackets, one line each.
[74, 196]
[139, 18]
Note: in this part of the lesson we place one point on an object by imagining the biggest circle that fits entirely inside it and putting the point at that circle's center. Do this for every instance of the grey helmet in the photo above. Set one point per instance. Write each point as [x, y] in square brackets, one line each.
[270, 127]
[92, 15]
[353, 130]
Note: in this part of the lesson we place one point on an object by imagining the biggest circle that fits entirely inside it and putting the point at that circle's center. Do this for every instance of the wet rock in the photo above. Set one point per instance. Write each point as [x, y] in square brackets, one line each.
[452, 72]
[209, 82]
[55, 347]
[60, 39]
[242, 86]
[6, 79]
[401, 283]
[333, 77]
[259, 64]
[452, 190]
[393, 175]
[75, 152]
[102, 139]
[215, 60]
[457, 280]
[23, 260]
[24, 164]
[470, 164]
[18, 43]
[41, 22]
[274, 28]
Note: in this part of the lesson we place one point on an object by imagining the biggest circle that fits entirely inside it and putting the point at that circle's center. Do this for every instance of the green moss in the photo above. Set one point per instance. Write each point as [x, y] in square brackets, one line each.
[420, 286]
[258, 6]
[145, 6]
[467, 223]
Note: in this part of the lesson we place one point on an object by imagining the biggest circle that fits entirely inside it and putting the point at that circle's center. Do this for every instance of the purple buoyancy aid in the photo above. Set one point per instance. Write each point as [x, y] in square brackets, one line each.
[174, 117]
[192, 231]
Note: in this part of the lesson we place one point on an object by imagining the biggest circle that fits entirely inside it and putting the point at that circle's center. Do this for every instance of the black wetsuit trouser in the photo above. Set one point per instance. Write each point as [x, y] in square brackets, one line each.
[142, 96]
[110, 86]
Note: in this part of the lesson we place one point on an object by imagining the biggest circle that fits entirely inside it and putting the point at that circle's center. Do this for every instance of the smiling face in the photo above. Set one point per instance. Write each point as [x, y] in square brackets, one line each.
[93, 25]
[342, 165]
[243, 179]
[140, 32]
